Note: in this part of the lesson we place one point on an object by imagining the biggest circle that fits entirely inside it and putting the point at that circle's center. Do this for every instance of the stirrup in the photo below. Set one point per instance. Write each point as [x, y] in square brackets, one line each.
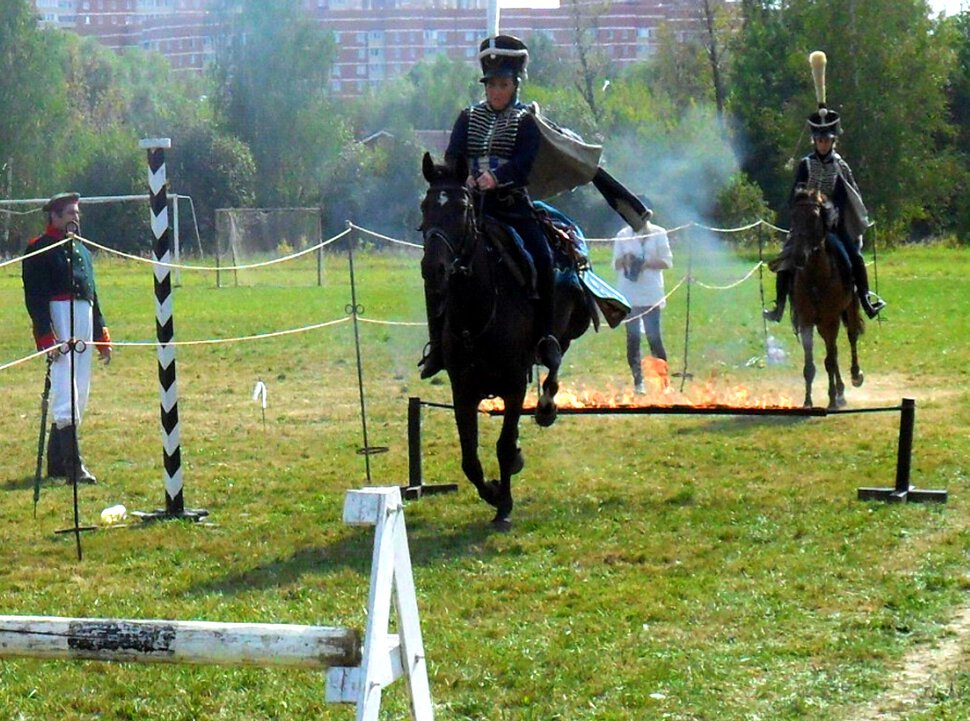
[549, 352]
[431, 362]
[774, 314]
[871, 307]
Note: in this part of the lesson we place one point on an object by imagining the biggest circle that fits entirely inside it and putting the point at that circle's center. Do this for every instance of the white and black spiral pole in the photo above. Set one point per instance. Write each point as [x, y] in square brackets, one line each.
[165, 333]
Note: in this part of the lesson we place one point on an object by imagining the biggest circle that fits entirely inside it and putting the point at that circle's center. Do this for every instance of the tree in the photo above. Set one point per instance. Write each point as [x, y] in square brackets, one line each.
[884, 77]
[272, 74]
[592, 64]
[215, 169]
[33, 101]
[957, 29]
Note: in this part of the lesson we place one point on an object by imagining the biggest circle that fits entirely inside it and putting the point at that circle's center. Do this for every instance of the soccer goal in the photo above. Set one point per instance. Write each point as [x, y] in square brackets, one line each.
[268, 246]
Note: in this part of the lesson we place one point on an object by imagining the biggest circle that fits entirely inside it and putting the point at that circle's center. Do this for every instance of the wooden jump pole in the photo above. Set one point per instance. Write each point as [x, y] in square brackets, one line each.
[187, 642]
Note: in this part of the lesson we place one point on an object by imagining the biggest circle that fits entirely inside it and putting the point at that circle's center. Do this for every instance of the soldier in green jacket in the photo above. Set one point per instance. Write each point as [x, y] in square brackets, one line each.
[59, 285]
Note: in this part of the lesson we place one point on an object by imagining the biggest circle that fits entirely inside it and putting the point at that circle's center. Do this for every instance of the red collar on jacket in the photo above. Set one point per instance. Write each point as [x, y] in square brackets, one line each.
[51, 232]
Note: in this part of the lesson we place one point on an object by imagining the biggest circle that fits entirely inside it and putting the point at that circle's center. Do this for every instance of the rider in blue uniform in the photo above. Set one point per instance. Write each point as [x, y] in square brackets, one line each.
[826, 171]
[500, 140]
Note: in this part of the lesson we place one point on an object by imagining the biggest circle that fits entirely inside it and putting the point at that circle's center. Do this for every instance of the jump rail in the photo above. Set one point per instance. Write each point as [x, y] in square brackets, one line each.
[358, 672]
[902, 492]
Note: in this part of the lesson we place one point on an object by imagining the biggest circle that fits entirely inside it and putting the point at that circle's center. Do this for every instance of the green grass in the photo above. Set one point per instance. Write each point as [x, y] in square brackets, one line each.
[659, 567]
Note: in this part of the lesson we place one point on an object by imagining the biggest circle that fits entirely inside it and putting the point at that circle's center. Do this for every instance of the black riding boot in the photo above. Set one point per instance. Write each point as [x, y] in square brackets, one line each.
[547, 351]
[782, 288]
[433, 360]
[861, 278]
[55, 454]
[74, 467]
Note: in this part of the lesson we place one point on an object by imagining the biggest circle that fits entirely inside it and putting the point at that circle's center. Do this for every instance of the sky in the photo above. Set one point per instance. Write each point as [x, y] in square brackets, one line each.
[950, 7]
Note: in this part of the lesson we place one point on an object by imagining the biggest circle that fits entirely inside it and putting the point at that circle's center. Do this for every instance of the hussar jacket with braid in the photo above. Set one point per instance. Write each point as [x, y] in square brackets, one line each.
[833, 177]
[505, 143]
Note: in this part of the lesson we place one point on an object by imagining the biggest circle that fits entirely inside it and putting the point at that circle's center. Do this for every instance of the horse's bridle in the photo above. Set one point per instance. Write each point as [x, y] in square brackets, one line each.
[469, 228]
[816, 244]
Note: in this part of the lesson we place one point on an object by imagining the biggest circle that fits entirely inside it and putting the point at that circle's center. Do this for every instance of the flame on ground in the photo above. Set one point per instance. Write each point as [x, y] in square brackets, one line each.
[658, 391]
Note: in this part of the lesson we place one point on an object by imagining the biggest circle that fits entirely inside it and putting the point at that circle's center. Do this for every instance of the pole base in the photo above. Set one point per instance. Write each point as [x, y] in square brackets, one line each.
[413, 493]
[160, 514]
[909, 495]
[77, 529]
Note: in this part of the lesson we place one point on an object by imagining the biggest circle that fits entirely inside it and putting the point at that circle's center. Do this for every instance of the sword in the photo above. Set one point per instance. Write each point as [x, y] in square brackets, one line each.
[44, 402]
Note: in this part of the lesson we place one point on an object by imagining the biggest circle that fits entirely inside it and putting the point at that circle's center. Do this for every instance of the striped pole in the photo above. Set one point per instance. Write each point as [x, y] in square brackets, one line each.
[165, 333]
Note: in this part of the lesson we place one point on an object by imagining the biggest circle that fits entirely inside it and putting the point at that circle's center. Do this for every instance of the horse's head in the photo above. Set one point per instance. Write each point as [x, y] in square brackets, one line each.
[447, 219]
[809, 221]
[447, 210]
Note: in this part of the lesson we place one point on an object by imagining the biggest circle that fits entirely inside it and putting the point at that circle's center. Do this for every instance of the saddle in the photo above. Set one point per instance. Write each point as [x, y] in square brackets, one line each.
[570, 260]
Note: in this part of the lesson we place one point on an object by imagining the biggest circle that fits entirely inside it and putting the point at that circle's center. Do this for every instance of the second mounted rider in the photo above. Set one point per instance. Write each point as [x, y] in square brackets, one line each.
[826, 171]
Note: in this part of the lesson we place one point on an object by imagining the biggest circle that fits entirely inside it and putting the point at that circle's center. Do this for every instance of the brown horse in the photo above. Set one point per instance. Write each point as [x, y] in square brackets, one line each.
[489, 333]
[822, 294]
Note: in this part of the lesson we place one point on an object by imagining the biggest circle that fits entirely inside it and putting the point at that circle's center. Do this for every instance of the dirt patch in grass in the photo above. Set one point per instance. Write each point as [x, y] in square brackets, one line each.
[922, 671]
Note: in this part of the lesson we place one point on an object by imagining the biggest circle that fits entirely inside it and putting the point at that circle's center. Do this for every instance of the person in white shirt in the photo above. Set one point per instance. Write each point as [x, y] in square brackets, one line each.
[640, 260]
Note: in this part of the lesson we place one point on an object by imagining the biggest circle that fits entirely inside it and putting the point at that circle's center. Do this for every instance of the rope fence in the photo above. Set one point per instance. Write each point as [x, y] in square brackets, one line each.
[688, 278]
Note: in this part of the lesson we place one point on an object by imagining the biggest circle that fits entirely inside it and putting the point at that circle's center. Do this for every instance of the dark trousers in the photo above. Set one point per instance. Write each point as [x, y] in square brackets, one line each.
[651, 328]
[534, 240]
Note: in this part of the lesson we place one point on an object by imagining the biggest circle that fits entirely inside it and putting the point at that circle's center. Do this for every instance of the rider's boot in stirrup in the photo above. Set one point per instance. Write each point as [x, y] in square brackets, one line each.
[870, 302]
[782, 289]
[548, 352]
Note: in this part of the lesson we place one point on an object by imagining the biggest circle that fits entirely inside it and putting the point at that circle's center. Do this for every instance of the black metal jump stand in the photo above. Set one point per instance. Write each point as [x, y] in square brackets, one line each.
[416, 486]
[904, 492]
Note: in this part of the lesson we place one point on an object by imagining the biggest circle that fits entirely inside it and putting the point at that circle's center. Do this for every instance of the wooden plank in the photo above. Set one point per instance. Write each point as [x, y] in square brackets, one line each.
[190, 642]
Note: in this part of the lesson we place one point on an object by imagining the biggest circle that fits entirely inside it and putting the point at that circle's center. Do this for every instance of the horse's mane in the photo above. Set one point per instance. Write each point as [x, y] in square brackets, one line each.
[804, 193]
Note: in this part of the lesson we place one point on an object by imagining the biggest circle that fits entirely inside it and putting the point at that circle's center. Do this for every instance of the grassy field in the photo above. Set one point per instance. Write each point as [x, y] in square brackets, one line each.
[660, 567]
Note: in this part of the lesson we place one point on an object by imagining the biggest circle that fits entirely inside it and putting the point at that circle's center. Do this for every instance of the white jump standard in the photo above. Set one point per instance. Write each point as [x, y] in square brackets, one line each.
[358, 672]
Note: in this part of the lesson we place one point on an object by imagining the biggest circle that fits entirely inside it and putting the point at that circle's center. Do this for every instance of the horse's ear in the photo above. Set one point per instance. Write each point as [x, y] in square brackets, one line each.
[427, 167]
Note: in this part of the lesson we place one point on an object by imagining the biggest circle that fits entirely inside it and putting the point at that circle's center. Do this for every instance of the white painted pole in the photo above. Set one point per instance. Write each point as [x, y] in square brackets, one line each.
[188, 642]
[493, 18]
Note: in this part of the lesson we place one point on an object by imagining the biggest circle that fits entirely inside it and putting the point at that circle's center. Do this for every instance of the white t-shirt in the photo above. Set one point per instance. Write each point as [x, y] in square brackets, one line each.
[650, 244]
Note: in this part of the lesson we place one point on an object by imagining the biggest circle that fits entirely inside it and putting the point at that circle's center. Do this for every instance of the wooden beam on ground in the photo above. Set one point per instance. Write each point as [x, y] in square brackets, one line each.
[190, 642]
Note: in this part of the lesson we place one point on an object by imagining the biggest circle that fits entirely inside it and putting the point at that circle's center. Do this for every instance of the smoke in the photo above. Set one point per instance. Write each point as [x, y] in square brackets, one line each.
[683, 171]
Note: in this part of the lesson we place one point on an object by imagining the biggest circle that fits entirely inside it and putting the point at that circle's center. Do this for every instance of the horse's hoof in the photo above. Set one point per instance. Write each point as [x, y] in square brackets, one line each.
[858, 380]
[502, 523]
[519, 463]
[490, 492]
[841, 402]
[546, 415]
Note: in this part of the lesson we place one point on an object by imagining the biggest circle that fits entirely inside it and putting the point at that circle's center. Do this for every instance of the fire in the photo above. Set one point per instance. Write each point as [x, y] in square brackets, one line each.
[659, 391]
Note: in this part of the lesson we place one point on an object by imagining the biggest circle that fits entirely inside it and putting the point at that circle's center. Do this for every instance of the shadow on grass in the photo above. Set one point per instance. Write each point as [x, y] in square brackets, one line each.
[27, 483]
[742, 423]
[426, 544]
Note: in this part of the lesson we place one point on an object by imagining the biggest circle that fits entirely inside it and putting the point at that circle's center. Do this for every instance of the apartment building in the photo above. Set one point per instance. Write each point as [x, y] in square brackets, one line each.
[378, 39]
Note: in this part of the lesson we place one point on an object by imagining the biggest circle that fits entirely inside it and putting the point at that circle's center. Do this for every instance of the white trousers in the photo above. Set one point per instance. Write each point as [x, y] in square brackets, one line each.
[62, 382]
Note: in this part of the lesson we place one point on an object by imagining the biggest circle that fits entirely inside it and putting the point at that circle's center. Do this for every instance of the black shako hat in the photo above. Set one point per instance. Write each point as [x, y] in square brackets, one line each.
[503, 56]
[58, 202]
[824, 123]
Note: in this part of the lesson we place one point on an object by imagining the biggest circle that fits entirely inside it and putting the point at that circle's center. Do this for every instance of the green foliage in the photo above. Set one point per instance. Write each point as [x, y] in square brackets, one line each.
[740, 203]
[272, 73]
[216, 170]
[680, 69]
[891, 100]
[428, 97]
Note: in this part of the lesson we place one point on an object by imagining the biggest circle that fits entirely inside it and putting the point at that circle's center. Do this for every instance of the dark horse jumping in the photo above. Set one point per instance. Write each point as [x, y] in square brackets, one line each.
[489, 336]
[822, 294]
